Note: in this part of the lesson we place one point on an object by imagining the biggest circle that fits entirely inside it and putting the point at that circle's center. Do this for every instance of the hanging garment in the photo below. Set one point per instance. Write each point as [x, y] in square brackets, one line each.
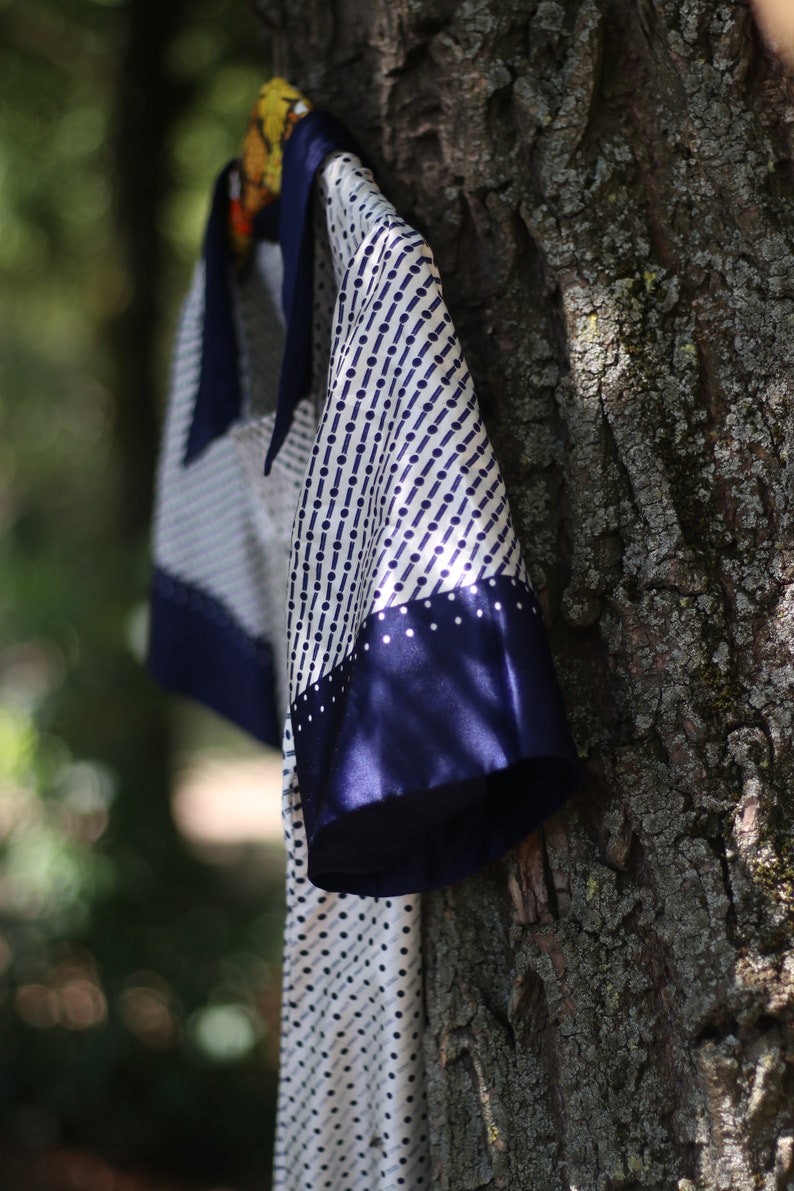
[370, 591]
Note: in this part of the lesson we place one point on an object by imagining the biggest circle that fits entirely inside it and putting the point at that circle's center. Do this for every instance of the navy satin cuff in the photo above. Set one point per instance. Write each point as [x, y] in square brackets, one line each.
[438, 744]
[196, 648]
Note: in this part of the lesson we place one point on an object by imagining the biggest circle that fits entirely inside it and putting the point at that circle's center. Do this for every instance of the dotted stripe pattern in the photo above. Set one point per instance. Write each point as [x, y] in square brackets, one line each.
[352, 1103]
[325, 288]
[354, 207]
[403, 498]
[204, 533]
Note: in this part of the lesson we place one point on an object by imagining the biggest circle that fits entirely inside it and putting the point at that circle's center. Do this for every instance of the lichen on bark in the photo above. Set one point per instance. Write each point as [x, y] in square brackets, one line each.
[608, 188]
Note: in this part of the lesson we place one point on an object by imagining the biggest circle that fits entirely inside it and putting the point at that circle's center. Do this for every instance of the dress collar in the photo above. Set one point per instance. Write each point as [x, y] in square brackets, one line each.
[218, 400]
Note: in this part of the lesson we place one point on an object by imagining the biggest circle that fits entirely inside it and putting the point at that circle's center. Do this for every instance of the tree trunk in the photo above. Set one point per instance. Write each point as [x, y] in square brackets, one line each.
[148, 103]
[607, 188]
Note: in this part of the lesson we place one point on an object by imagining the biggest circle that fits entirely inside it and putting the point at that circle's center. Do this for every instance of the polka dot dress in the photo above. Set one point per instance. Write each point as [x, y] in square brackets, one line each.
[372, 582]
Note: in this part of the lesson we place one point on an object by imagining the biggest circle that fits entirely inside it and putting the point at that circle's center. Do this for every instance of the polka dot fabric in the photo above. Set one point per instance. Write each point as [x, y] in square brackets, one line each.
[352, 1104]
[373, 583]
[213, 627]
[402, 507]
[403, 498]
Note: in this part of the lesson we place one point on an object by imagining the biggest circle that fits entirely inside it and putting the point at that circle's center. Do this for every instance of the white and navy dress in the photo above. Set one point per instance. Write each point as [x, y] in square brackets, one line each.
[369, 594]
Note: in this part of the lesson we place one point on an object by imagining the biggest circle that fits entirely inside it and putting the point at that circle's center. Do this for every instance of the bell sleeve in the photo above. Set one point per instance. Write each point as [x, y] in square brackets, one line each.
[429, 731]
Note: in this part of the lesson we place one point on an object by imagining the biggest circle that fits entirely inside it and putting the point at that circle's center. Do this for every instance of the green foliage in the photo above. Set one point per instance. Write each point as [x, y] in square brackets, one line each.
[138, 986]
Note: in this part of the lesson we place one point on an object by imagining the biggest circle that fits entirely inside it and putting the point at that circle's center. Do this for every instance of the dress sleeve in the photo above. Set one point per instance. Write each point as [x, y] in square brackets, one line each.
[212, 627]
[429, 730]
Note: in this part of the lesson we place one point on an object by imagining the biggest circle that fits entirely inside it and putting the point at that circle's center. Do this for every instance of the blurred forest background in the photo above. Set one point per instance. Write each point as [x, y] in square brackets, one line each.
[139, 969]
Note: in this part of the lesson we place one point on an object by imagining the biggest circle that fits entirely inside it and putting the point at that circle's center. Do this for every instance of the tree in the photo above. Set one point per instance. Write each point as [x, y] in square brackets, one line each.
[607, 188]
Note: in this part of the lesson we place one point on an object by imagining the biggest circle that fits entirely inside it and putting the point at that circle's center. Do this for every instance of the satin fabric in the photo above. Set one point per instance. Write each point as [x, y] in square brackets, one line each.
[439, 743]
[219, 395]
[230, 672]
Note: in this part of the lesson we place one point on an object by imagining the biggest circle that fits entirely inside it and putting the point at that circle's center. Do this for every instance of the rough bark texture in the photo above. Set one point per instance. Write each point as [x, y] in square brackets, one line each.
[607, 187]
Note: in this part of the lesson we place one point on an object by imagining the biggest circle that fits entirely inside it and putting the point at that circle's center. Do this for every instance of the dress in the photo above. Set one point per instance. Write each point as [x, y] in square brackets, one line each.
[424, 733]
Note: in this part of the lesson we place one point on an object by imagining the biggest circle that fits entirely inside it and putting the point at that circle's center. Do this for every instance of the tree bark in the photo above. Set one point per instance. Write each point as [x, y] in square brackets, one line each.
[607, 188]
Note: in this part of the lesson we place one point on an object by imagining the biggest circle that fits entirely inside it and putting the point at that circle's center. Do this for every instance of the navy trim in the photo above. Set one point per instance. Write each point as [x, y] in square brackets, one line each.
[218, 397]
[439, 743]
[315, 136]
[196, 648]
[219, 394]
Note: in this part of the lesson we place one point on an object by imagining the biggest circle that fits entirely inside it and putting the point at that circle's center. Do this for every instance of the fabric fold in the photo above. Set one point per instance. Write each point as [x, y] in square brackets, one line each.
[218, 400]
[428, 727]
[440, 742]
